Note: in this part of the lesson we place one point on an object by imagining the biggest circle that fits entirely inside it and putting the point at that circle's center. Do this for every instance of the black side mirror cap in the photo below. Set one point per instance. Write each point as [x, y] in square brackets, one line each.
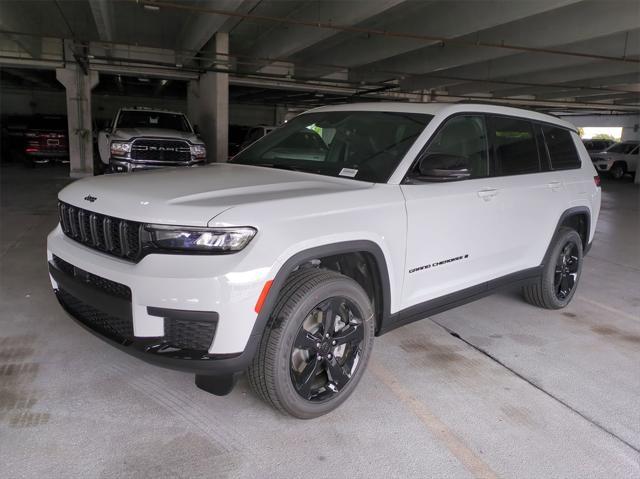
[443, 167]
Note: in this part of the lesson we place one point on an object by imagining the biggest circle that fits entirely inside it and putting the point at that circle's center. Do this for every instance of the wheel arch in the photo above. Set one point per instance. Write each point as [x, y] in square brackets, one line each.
[577, 218]
[336, 256]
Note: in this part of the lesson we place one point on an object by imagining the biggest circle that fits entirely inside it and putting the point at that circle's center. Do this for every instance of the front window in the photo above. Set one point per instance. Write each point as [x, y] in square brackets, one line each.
[625, 148]
[364, 145]
[153, 119]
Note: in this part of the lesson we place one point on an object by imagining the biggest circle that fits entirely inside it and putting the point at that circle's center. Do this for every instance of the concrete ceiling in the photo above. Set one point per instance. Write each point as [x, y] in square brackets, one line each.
[564, 51]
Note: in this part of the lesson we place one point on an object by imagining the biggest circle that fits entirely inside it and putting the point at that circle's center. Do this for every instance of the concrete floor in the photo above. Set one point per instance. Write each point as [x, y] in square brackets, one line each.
[523, 393]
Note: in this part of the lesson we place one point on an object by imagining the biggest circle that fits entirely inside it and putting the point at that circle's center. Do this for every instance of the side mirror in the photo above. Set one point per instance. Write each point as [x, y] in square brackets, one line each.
[443, 167]
[196, 130]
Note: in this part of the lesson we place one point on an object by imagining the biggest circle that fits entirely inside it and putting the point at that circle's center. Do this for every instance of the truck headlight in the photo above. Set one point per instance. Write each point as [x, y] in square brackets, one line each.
[120, 148]
[198, 151]
[188, 238]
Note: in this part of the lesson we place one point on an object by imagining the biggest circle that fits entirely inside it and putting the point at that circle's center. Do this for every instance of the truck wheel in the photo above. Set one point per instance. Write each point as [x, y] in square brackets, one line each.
[617, 171]
[561, 272]
[316, 345]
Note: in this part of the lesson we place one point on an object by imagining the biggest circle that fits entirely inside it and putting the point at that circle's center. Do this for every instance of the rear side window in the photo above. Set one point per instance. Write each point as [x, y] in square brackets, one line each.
[515, 147]
[562, 151]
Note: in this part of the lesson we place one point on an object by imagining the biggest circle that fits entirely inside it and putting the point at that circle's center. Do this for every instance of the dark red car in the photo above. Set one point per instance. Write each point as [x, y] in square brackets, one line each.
[46, 139]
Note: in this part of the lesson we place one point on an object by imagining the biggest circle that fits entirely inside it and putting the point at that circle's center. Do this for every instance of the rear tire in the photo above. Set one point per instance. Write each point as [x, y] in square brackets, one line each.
[560, 274]
[316, 344]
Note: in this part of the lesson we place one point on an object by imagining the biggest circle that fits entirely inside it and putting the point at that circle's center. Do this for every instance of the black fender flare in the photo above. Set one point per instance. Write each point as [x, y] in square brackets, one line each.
[576, 210]
[345, 247]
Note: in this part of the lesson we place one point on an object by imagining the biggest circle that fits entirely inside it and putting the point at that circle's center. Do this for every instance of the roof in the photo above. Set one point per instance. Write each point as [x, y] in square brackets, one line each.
[151, 110]
[446, 109]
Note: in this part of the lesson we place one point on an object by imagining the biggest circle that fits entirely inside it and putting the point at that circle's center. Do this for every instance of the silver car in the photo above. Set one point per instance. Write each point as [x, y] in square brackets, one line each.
[619, 159]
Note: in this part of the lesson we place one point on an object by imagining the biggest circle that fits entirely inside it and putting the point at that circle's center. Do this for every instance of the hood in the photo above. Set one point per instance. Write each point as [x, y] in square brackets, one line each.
[129, 133]
[605, 155]
[194, 196]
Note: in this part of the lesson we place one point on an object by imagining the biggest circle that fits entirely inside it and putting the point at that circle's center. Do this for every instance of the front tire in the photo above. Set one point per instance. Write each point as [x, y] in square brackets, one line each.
[316, 345]
[561, 272]
[617, 171]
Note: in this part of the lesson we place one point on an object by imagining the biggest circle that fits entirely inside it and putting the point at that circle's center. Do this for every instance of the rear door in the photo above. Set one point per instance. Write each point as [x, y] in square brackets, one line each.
[532, 194]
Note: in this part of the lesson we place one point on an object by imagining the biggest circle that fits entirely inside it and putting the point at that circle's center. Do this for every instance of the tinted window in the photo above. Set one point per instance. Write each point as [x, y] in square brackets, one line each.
[561, 148]
[152, 119]
[515, 148]
[460, 144]
[625, 147]
[365, 145]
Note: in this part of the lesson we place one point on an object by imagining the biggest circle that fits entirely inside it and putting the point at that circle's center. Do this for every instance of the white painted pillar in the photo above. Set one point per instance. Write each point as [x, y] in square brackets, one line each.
[78, 88]
[213, 106]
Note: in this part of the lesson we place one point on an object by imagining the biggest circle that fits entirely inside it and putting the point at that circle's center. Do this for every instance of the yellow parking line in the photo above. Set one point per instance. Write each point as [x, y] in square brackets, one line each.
[436, 427]
[609, 308]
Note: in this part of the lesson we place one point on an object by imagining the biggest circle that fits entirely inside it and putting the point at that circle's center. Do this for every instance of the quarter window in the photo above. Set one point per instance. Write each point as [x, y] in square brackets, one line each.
[562, 150]
[515, 148]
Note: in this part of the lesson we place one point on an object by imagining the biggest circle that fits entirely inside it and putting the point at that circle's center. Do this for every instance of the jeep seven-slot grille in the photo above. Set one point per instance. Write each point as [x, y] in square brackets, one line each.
[110, 235]
[171, 151]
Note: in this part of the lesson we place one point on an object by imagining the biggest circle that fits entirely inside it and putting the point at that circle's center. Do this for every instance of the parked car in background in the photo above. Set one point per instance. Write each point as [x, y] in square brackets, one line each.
[143, 138]
[237, 135]
[45, 140]
[619, 159]
[597, 145]
[256, 133]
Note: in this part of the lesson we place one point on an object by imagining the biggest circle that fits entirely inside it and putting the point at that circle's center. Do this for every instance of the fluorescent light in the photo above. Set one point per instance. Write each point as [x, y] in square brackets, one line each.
[153, 8]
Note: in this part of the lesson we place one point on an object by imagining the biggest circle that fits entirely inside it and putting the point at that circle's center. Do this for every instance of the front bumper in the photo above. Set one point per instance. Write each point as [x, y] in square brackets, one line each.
[159, 297]
[109, 316]
[119, 165]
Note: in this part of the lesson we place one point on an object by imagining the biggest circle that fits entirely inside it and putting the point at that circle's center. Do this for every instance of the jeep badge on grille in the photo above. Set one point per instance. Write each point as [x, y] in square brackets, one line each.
[90, 198]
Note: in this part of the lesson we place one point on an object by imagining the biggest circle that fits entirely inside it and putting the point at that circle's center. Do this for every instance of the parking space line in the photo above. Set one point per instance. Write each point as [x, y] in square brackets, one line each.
[470, 460]
[611, 309]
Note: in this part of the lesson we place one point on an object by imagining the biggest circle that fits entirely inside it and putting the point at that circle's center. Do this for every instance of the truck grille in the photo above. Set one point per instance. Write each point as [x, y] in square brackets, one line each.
[162, 151]
[110, 235]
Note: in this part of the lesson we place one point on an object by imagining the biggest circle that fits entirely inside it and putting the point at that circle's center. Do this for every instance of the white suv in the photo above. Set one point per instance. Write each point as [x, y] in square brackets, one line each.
[341, 225]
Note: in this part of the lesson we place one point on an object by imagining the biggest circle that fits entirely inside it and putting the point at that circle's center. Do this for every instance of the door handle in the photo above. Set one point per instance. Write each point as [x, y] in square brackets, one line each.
[487, 193]
[555, 185]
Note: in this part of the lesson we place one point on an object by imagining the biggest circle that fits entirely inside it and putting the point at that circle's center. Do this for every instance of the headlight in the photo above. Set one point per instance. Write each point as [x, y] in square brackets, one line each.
[120, 148]
[198, 151]
[187, 238]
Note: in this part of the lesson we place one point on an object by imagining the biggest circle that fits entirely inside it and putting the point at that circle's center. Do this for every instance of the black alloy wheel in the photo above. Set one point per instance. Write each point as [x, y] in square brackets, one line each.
[327, 349]
[566, 271]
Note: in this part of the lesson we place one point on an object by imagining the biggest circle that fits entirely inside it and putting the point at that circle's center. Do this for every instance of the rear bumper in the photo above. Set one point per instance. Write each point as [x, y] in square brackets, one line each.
[109, 317]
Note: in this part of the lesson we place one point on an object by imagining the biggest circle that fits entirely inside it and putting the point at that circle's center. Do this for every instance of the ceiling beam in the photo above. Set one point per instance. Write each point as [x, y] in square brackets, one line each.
[282, 42]
[442, 20]
[539, 33]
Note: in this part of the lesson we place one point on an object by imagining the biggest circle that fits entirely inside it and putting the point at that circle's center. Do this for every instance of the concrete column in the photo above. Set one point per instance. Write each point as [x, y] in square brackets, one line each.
[78, 87]
[213, 105]
[280, 115]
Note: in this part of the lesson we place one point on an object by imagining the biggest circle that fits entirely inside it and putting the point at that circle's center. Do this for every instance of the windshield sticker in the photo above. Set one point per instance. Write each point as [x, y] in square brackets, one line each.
[348, 172]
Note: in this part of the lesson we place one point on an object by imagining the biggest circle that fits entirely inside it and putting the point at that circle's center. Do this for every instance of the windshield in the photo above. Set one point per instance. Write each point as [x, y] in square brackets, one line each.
[152, 119]
[624, 148]
[364, 145]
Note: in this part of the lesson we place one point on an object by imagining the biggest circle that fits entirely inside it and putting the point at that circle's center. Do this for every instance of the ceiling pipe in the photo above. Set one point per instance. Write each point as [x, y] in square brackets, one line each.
[377, 32]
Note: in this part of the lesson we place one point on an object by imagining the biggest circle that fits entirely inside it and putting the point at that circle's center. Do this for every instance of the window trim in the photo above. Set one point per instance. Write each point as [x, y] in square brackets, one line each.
[407, 179]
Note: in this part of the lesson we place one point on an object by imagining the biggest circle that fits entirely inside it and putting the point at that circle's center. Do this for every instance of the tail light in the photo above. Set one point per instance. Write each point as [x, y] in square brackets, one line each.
[596, 180]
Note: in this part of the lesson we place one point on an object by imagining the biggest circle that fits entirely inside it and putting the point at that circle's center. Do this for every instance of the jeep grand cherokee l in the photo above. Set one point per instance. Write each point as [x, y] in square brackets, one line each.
[343, 224]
